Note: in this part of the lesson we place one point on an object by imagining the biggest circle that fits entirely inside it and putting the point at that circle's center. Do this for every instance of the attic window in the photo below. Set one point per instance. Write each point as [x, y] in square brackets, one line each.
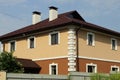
[71, 16]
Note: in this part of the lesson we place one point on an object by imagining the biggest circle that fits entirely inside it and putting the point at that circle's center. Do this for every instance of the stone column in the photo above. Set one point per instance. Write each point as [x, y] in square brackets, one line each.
[72, 49]
[2, 75]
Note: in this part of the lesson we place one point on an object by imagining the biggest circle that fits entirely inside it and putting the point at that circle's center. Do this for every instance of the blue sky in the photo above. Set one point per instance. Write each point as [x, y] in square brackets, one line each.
[15, 14]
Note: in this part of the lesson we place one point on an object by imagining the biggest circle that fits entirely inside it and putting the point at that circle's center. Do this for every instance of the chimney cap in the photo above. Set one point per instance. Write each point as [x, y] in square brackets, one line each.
[52, 7]
[36, 12]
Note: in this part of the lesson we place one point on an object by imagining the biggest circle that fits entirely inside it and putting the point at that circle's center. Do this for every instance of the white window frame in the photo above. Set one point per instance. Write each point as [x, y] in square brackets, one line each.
[54, 33]
[115, 67]
[10, 45]
[1, 47]
[50, 68]
[115, 43]
[91, 64]
[93, 43]
[29, 42]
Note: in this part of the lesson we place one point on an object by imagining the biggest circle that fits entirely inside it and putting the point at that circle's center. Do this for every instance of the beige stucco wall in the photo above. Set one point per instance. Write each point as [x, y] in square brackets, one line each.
[102, 48]
[42, 48]
[6, 46]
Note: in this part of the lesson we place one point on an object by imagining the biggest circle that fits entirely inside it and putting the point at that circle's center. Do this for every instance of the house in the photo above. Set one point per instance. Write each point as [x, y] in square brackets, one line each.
[64, 43]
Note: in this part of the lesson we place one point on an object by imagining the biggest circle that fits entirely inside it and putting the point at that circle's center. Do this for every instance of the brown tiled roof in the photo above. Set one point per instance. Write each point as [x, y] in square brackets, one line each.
[27, 63]
[72, 17]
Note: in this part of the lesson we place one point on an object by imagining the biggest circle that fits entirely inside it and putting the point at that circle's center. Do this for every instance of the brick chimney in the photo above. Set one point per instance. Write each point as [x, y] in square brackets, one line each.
[36, 17]
[53, 13]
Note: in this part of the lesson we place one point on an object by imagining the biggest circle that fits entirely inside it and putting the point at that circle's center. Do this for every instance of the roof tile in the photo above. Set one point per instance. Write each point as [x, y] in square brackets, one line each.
[65, 18]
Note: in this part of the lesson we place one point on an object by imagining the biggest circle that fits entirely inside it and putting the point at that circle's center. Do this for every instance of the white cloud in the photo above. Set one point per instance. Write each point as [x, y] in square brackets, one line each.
[11, 2]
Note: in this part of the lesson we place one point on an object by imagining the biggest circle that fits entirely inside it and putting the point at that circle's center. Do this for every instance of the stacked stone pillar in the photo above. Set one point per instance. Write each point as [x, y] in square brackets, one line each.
[72, 49]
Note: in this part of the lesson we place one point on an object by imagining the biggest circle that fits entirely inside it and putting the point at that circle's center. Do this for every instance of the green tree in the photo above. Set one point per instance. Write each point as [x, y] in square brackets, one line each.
[9, 63]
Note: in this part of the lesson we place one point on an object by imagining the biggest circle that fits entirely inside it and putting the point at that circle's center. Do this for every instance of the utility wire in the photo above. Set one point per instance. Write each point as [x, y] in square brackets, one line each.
[25, 22]
[21, 19]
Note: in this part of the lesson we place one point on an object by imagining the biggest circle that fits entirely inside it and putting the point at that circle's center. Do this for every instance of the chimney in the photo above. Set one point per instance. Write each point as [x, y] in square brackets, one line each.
[36, 17]
[53, 13]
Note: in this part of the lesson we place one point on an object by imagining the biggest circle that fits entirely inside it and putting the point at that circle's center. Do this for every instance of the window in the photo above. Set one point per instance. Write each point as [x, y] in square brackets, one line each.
[90, 39]
[31, 42]
[91, 68]
[54, 38]
[53, 69]
[115, 68]
[1, 47]
[12, 46]
[113, 44]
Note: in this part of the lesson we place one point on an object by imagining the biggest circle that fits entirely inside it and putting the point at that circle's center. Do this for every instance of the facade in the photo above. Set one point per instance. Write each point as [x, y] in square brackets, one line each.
[64, 43]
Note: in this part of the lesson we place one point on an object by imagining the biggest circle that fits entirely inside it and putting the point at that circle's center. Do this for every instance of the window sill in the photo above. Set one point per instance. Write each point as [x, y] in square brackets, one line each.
[114, 49]
[91, 45]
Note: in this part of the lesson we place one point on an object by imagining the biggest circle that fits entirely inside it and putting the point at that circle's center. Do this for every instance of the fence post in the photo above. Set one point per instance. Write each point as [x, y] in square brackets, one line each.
[2, 75]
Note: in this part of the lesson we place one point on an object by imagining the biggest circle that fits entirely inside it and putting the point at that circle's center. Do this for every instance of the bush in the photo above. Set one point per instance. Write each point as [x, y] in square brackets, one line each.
[99, 77]
[115, 76]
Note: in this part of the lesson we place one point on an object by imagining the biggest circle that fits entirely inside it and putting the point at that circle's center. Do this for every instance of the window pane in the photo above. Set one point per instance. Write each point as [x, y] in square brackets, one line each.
[114, 69]
[90, 39]
[12, 46]
[31, 42]
[113, 44]
[54, 38]
[53, 67]
[91, 69]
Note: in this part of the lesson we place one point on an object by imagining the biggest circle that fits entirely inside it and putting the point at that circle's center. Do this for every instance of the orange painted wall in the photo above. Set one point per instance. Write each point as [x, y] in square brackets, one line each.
[102, 66]
[62, 65]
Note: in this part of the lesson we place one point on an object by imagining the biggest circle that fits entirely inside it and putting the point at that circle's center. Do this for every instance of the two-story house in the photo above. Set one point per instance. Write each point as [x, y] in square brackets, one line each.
[65, 42]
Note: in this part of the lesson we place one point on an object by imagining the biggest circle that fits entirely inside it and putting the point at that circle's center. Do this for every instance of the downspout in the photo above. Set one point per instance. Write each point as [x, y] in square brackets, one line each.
[77, 49]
